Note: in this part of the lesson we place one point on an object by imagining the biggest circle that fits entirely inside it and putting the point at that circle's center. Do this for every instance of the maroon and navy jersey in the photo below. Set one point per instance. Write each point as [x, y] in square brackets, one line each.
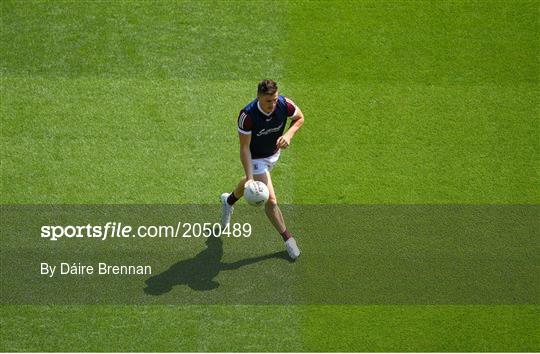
[265, 129]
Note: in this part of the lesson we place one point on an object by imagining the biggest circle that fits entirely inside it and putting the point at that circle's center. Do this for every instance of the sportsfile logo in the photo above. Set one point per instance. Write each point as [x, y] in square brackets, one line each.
[110, 229]
[122, 231]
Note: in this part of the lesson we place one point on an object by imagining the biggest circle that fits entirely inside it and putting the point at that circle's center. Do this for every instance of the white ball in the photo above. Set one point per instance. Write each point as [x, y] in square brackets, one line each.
[256, 193]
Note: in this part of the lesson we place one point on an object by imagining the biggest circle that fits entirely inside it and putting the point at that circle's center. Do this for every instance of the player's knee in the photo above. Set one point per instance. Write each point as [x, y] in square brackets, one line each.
[271, 202]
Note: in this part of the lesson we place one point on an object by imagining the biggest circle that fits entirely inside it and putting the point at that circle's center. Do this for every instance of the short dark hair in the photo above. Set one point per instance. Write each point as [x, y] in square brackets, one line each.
[267, 87]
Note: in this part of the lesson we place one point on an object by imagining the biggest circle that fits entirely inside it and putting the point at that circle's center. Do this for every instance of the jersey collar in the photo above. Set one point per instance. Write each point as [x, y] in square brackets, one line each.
[261, 110]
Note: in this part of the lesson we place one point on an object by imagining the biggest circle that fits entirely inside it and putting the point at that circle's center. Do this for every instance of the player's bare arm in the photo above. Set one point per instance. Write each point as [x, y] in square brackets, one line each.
[284, 141]
[245, 156]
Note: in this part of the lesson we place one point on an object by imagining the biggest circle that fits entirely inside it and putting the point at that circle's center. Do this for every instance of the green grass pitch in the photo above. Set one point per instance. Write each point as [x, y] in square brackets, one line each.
[406, 102]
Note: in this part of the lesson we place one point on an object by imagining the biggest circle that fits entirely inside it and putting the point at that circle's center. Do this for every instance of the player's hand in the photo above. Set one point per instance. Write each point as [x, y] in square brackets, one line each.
[247, 183]
[283, 142]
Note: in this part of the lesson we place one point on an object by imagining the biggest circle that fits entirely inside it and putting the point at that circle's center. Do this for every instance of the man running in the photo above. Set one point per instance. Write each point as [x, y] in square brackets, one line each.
[261, 127]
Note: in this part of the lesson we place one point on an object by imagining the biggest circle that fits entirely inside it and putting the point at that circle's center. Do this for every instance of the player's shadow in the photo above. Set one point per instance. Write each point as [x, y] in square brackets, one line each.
[199, 272]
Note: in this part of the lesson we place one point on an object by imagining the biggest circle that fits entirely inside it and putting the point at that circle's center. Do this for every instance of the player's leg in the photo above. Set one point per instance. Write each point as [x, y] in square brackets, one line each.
[271, 207]
[276, 217]
[228, 200]
[239, 190]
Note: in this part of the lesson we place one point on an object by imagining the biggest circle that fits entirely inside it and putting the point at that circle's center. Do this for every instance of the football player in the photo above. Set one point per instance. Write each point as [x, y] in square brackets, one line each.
[262, 133]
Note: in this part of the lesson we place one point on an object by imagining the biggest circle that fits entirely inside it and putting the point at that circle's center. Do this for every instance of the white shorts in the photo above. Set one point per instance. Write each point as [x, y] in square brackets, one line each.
[261, 166]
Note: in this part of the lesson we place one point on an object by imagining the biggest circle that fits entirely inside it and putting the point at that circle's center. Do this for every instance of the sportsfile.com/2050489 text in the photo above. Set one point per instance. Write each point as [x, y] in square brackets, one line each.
[120, 230]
